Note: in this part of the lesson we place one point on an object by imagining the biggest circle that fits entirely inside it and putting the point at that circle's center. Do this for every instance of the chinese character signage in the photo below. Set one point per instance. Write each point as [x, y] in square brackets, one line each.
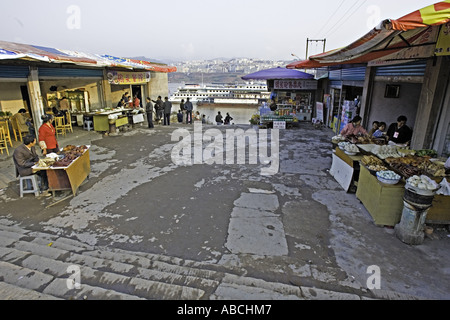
[295, 85]
[116, 77]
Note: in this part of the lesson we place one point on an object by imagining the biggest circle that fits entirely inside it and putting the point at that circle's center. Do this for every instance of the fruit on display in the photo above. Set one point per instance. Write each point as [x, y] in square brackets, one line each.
[426, 152]
[422, 182]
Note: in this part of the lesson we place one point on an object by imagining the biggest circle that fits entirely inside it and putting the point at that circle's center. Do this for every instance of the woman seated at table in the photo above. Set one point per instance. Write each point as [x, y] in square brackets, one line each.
[354, 128]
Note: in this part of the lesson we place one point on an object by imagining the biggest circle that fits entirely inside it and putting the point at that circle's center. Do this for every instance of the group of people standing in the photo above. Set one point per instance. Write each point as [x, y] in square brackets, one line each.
[397, 133]
[163, 110]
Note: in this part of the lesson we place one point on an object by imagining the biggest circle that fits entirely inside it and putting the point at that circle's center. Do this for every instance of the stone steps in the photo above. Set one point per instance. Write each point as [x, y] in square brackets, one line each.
[35, 264]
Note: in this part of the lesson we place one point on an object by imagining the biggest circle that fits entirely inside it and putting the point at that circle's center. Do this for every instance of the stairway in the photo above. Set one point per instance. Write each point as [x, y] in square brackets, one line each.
[40, 266]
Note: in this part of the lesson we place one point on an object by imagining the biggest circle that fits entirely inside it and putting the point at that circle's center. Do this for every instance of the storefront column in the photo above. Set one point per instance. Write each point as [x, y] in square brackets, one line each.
[107, 96]
[430, 102]
[37, 105]
[366, 99]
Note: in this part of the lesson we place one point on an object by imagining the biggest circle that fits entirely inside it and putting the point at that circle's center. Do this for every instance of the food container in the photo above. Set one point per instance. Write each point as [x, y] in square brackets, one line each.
[350, 153]
[388, 177]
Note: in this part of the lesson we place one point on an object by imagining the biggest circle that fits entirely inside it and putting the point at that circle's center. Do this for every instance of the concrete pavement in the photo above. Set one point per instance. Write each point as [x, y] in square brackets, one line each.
[294, 235]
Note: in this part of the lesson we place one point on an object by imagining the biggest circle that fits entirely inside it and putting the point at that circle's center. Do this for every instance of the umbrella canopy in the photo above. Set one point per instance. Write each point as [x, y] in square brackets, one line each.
[411, 37]
[278, 73]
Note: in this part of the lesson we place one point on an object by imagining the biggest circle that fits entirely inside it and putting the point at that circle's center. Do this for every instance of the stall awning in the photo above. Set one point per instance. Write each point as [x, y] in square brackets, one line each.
[17, 51]
[413, 36]
[278, 73]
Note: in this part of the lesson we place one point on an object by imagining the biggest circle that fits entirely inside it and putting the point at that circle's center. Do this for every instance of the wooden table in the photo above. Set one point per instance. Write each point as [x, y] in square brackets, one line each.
[101, 120]
[384, 202]
[68, 178]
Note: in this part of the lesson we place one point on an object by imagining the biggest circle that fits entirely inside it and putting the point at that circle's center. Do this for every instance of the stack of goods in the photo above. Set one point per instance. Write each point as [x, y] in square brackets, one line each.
[384, 152]
[373, 164]
[71, 153]
[46, 163]
[410, 166]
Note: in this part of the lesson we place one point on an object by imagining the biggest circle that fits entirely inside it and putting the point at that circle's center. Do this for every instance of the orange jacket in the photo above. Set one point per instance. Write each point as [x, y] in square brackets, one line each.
[47, 133]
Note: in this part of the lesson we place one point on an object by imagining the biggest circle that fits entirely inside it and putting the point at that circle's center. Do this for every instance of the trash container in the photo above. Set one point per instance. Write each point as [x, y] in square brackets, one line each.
[410, 230]
[416, 203]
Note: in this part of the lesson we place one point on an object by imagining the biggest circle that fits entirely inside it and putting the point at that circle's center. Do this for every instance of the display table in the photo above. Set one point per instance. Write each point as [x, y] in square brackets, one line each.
[101, 120]
[68, 178]
[439, 213]
[383, 202]
[345, 169]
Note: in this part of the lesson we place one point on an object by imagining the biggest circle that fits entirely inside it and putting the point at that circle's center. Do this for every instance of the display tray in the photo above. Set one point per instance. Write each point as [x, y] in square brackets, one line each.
[36, 168]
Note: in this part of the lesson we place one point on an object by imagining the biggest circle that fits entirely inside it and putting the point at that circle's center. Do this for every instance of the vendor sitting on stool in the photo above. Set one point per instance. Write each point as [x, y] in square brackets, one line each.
[25, 157]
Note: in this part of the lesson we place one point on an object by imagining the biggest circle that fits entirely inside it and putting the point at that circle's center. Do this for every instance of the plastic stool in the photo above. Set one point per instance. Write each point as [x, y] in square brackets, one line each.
[34, 183]
[88, 125]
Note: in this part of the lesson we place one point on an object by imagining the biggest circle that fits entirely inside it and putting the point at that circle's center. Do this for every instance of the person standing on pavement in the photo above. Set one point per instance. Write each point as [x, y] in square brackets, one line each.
[149, 111]
[159, 107]
[167, 111]
[188, 107]
[219, 119]
[47, 136]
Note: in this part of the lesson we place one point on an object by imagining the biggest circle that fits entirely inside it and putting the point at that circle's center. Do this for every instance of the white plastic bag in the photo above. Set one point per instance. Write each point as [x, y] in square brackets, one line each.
[445, 188]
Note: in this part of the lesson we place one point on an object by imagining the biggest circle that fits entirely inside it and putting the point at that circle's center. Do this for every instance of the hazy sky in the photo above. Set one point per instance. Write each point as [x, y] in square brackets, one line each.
[196, 29]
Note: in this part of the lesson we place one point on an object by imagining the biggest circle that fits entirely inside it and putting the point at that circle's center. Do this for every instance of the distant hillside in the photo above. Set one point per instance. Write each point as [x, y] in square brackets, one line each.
[179, 77]
[149, 60]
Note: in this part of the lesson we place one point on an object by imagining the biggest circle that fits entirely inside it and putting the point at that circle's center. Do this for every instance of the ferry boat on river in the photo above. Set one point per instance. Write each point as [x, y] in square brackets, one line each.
[242, 94]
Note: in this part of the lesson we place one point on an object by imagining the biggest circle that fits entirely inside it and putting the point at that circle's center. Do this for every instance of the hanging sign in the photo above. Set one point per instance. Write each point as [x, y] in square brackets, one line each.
[117, 77]
[443, 44]
[295, 84]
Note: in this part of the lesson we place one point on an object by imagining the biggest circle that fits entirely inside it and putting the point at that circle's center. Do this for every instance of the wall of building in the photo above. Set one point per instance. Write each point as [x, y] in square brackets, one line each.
[68, 85]
[389, 109]
[158, 85]
[11, 96]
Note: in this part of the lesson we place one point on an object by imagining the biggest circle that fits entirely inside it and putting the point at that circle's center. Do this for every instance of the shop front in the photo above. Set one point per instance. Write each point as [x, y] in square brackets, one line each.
[292, 99]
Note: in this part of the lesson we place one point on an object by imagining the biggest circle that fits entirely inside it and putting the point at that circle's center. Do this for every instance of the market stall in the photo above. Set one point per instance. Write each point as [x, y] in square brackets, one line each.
[118, 118]
[382, 174]
[292, 96]
[68, 170]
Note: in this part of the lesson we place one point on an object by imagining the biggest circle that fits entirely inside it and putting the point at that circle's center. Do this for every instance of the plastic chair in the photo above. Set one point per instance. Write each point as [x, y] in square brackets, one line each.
[34, 184]
[5, 125]
[3, 141]
[60, 126]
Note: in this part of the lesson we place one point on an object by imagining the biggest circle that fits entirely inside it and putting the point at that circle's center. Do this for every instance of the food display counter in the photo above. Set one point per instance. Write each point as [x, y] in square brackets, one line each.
[70, 177]
[101, 120]
[385, 202]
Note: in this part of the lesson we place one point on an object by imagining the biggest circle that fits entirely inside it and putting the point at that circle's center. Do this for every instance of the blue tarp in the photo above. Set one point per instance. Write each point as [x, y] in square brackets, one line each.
[278, 73]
